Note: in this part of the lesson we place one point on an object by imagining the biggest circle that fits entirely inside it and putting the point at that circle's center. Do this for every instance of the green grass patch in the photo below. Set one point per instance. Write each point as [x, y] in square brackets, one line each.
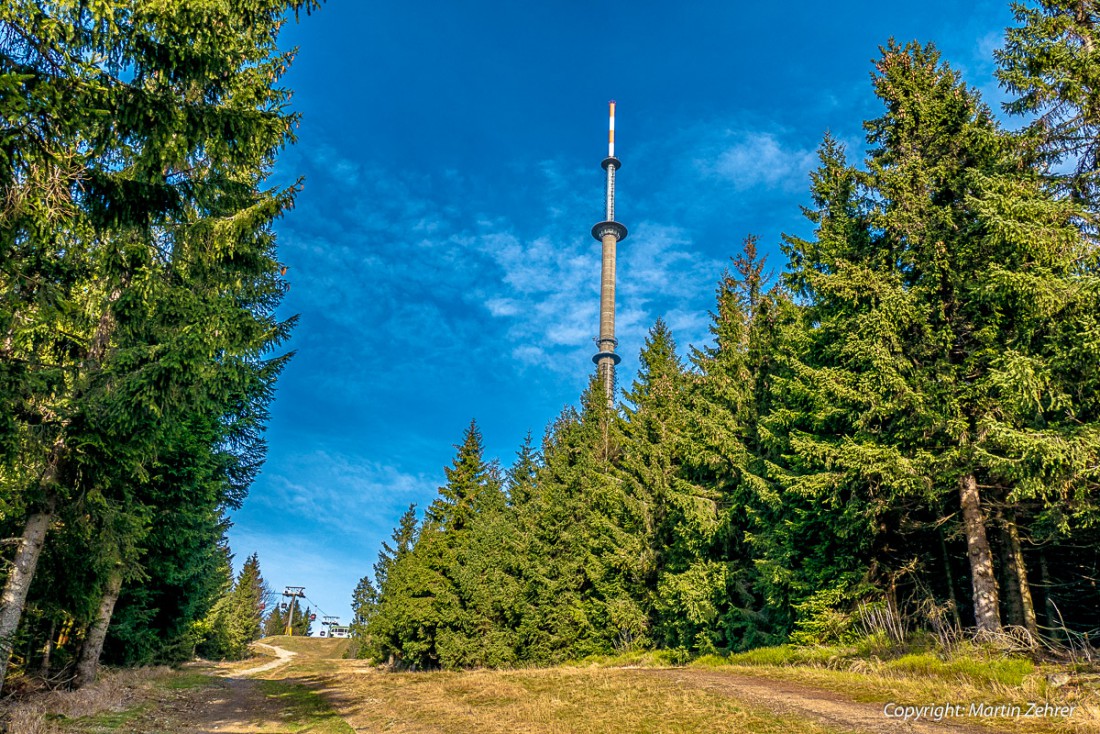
[980, 669]
[323, 648]
[972, 663]
[108, 721]
[305, 711]
[781, 655]
[873, 671]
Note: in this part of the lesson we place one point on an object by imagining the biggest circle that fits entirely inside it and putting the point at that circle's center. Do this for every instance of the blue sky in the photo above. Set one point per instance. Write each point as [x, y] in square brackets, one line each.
[440, 256]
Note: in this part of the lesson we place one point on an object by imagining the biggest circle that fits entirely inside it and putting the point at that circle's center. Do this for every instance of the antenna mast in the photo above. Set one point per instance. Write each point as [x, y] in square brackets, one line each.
[609, 233]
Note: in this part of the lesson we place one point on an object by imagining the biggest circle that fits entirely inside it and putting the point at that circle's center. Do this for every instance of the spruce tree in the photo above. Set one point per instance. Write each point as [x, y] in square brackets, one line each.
[369, 627]
[1049, 65]
[237, 619]
[303, 621]
[816, 543]
[521, 476]
[141, 220]
[467, 479]
[473, 555]
[275, 622]
[726, 451]
[584, 595]
[683, 587]
[417, 602]
[439, 601]
[932, 283]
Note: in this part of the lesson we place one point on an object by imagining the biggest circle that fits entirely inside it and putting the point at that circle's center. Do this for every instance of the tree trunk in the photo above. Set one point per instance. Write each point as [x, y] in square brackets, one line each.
[987, 613]
[950, 578]
[47, 651]
[88, 665]
[1053, 620]
[1011, 595]
[1017, 569]
[19, 582]
[34, 535]
[1081, 15]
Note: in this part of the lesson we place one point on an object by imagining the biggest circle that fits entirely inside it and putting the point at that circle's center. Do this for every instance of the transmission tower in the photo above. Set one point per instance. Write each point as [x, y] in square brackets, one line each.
[609, 233]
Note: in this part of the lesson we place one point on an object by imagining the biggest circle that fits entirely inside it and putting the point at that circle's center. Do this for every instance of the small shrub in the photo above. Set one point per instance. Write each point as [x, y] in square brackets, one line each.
[780, 655]
[820, 620]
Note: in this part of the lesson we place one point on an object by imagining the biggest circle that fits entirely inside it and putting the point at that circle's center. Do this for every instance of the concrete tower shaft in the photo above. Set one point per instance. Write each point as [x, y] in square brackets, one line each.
[609, 233]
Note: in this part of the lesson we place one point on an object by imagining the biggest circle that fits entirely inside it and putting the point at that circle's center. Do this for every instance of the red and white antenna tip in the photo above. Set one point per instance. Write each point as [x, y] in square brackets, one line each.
[611, 131]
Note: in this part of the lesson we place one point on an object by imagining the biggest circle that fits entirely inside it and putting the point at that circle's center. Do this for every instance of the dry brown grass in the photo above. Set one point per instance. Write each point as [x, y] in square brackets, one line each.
[875, 682]
[617, 699]
[311, 648]
[590, 699]
[113, 691]
[553, 701]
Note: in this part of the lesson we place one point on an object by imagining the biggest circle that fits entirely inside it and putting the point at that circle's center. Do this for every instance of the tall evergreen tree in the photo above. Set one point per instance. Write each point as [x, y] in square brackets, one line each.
[726, 451]
[924, 301]
[275, 621]
[584, 595]
[303, 621]
[820, 547]
[439, 598]
[1049, 64]
[683, 587]
[468, 478]
[137, 223]
[521, 476]
[370, 631]
[237, 618]
[472, 554]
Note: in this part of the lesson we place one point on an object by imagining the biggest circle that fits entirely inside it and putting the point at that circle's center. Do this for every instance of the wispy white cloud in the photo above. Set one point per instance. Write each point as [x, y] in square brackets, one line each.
[345, 494]
[751, 159]
[397, 267]
[553, 286]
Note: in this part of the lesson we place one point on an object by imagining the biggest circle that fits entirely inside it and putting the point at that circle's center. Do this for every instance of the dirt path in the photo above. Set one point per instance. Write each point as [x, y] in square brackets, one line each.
[235, 706]
[281, 656]
[825, 707]
[218, 698]
[240, 704]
